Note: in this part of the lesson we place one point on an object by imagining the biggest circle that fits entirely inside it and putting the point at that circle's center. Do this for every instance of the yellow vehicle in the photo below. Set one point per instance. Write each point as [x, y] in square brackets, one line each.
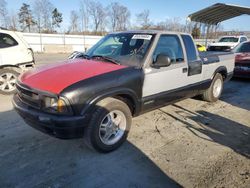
[201, 48]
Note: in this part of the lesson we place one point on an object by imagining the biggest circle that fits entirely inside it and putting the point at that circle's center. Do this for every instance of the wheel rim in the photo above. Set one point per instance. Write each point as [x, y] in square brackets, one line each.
[217, 88]
[112, 127]
[7, 82]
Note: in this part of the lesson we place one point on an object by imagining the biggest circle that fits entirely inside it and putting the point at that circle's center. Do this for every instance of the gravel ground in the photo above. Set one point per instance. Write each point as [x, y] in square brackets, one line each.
[191, 144]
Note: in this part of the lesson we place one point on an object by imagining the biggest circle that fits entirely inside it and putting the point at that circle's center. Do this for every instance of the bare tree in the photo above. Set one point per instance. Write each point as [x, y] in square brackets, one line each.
[84, 12]
[113, 15]
[38, 14]
[123, 19]
[98, 14]
[47, 14]
[74, 20]
[171, 24]
[3, 14]
[143, 19]
[43, 13]
[119, 16]
[13, 22]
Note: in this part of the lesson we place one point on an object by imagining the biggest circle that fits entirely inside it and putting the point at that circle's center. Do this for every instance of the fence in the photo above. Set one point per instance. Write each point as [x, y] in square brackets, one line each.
[59, 43]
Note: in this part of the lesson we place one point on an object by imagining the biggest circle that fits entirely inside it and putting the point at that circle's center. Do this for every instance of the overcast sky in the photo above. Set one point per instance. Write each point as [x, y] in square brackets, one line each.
[159, 9]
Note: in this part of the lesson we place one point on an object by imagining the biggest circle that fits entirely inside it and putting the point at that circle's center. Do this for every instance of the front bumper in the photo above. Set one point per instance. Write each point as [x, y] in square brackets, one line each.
[60, 126]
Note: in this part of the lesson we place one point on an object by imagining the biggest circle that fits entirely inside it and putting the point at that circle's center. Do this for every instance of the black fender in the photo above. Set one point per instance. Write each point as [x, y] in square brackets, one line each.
[222, 70]
[124, 93]
[126, 82]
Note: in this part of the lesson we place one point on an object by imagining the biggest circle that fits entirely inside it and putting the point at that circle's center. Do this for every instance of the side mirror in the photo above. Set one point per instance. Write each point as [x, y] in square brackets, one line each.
[162, 60]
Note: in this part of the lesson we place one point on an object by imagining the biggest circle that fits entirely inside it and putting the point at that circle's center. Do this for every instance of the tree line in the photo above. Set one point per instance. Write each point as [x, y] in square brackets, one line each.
[41, 16]
[89, 17]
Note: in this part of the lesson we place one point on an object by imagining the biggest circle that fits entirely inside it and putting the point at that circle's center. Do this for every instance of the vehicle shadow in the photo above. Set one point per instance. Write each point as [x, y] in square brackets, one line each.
[217, 128]
[236, 92]
[29, 158]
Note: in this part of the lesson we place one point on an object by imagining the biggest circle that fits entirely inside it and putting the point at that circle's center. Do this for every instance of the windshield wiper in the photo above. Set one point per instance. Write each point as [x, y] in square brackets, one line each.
[106, 58]
[83, 56]
[78, 55]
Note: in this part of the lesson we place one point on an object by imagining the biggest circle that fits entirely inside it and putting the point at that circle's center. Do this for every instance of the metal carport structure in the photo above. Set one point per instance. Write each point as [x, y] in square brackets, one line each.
[219, 12]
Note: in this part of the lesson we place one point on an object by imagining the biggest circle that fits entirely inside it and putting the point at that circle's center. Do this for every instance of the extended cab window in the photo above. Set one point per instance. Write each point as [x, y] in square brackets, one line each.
[190, 47]
[7, 41]
[169, 45]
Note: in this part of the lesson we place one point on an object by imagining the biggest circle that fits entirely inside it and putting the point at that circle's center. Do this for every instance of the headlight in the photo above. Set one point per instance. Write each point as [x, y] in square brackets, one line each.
[55, 105]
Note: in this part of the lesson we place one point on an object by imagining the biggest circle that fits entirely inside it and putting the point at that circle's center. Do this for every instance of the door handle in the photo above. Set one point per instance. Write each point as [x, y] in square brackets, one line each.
[184, 70]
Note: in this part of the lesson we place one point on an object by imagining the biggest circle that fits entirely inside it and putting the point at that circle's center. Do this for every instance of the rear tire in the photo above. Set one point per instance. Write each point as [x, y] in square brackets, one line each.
[109, 125]
[213, 93]
[8, 79]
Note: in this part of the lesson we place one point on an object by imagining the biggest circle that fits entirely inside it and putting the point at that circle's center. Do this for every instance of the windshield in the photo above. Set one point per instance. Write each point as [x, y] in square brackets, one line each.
[125, 48]
[242, 48]
[229, 39]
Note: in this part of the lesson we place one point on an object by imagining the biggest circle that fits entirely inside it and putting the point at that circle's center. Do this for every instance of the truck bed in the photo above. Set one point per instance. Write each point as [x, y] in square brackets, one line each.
[214, 57]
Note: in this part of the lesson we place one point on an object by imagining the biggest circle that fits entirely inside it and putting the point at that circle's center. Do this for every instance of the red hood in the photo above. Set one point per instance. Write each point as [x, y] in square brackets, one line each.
[54, 78]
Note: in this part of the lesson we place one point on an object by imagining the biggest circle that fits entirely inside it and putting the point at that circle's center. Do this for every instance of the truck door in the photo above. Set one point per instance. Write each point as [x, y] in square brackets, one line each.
[193, 60]
[166, 84]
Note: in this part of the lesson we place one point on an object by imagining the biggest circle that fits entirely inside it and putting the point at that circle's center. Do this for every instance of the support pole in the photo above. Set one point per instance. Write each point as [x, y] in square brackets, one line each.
[208, 27]
[41, 43]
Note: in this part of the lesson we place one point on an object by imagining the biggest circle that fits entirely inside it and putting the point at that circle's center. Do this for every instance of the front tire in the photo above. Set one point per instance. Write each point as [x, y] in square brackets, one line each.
[109, 125]
[8, 79]
[213, 93]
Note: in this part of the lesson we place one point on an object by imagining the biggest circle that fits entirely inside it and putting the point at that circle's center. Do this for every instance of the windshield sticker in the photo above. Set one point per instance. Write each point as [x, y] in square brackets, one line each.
[144, 37]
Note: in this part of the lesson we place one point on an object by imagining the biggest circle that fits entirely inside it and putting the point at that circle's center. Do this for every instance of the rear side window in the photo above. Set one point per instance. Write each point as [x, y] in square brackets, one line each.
[190, 47]
[169, 45]
[7, 41]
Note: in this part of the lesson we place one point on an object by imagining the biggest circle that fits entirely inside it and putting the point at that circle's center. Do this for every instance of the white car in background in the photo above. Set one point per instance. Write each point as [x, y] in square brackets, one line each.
[16, 56]
[227, 43]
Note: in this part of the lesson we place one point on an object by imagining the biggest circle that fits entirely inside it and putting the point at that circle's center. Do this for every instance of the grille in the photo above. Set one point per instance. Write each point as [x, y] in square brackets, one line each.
[28, 97]
[219, 48]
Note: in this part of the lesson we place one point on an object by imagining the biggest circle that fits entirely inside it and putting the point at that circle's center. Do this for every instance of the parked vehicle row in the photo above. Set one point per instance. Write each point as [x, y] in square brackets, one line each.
[124, 75]
[238, 45]
[16, 56]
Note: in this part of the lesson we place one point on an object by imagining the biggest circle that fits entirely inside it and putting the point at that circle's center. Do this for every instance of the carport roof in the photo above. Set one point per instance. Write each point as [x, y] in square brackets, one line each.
[218, 12]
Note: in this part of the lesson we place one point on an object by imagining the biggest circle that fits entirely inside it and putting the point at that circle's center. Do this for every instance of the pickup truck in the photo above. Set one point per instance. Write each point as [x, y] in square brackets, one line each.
[227, 43]
[124, 75]
[16, 56]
